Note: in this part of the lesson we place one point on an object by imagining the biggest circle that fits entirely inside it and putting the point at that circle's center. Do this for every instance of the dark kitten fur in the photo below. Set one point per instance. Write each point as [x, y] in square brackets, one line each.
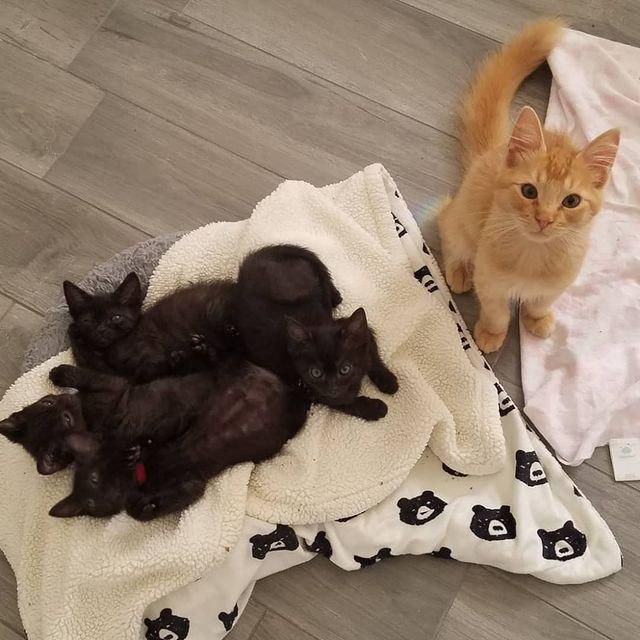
[184, 430]
[41, 428]
[181, 333]
[284, 303]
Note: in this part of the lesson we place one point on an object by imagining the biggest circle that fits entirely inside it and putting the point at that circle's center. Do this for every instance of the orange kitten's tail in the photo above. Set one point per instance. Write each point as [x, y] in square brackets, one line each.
[485, 107]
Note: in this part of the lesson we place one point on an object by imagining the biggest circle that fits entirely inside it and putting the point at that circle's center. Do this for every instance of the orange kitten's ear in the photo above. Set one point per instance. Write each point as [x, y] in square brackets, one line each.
[599, 155]
[526, 137]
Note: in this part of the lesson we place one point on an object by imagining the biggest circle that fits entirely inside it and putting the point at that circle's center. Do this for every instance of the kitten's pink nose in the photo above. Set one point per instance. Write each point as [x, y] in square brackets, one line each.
[543, 223]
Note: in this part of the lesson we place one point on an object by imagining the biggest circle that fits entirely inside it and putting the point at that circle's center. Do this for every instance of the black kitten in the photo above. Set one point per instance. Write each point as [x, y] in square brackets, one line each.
[41, 428]
[161, 442]
[181, 333]
[283, 311]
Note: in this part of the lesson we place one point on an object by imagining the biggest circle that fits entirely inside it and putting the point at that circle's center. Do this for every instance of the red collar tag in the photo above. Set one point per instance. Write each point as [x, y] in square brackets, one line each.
[140, 473]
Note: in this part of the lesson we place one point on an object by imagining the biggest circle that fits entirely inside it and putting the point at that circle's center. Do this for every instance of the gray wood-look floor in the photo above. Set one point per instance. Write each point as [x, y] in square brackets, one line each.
[122, 120]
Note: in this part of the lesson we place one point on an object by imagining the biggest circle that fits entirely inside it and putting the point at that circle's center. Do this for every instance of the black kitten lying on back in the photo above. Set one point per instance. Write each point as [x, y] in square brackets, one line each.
[181, 333]
[152, 448]
[283, 311]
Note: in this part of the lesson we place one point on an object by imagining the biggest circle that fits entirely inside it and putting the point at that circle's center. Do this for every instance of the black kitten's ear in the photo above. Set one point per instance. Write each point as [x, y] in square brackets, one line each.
[297, 333]
[83, 445]
[67, 508]
[355, 327]
[78, 300]
[129, 293]
[10, 427]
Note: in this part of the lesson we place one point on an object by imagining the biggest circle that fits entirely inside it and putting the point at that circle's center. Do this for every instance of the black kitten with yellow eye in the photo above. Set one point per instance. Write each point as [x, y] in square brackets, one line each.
[284, 310]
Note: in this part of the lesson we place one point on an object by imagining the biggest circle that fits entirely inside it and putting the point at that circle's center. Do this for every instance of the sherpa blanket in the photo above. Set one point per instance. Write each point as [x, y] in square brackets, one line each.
[582, 385]
[86, 578]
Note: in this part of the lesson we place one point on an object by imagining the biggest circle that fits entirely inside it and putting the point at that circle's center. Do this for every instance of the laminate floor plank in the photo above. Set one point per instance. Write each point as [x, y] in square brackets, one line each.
[47, 236]
[487, 607]
[16, 329]
[155, 175]
[409, 60]
[402, 598]
[261, 108]
[43, 107]
[616, 19]
[52, 29]
[275, 627]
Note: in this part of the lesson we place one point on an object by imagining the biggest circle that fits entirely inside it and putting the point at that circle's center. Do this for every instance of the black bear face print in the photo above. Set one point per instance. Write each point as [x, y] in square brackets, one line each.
[320, 545]
[505, 404]
[463, 338]
[424, 277]
[167, 627]
[576, 491]
[421, 509]
[493, 524]
[425, 249]
[400, 230]
[528, 468]
[228, 619]
[368, 562]
[442, 552]
[282, 538]
[453, 472]
[563, 544]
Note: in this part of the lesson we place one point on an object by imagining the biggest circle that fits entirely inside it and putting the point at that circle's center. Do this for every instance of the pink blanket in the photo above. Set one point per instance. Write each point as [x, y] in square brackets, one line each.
[582, 385]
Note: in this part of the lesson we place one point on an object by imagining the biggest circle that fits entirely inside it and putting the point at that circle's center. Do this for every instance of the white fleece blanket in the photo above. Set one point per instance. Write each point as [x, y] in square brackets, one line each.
[340, 465]
[582, 385]
[83, 579]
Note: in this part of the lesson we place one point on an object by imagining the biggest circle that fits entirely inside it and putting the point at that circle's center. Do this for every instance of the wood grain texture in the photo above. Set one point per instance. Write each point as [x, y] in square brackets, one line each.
[263, 109]
[47, 236]
[401, 598]
[615, 19]
[6, 633]
[601, 460]
[489, 608]
[52, 29]
[16, 328]
[5, 304]
[275, 627]
[42, 109]
[247, 622]
[610, 606]
[156, 176]
[404, 58]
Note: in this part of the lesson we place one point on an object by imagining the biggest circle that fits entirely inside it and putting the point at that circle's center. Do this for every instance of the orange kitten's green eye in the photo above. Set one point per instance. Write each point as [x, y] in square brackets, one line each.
[571, 201]
[529, 191]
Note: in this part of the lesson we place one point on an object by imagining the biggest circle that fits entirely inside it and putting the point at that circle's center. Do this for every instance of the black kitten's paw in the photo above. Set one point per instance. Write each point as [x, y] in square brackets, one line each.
[371, 409]
[143, 508]
[64, 375]
[385, 381]
[198, 343]
[177, 358]
[133, 455]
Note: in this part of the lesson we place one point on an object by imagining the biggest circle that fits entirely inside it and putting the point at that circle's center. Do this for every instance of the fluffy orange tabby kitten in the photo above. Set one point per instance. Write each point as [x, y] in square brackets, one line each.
[518, 227]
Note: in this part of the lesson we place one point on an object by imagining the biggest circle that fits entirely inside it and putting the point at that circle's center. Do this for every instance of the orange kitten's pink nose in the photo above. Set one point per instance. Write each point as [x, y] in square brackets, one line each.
[543, 223]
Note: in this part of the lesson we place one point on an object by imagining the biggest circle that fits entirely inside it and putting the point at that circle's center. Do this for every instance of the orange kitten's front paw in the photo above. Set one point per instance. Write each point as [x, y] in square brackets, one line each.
[488, 342]
[541, 327]
[459, 279]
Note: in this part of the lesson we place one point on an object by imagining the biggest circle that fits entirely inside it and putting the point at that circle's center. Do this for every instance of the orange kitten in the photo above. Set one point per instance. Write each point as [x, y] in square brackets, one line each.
[518, 227]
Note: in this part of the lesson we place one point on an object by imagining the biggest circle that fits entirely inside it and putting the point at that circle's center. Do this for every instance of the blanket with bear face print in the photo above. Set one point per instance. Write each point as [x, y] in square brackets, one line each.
[527, 518]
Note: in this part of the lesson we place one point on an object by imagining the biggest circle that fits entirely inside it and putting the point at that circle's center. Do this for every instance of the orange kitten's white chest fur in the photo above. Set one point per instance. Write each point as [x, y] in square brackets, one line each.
[518, 227]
